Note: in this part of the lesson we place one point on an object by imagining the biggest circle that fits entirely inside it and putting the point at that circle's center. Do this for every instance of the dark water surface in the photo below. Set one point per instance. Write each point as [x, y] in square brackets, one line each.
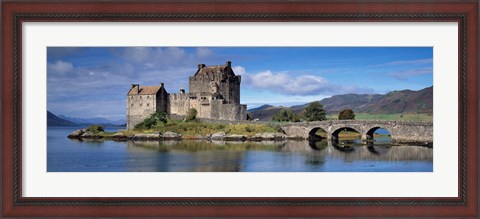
[65, 155]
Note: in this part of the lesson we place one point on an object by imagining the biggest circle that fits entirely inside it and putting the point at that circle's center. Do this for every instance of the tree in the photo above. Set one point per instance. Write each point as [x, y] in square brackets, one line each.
[346, 114]
[314, 112]
[153, 120]
[191, 114]
[286, 115]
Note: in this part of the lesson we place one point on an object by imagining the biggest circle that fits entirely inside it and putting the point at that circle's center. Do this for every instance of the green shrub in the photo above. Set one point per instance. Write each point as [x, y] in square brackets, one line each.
[286, 115]
[191, 114]
[249, 129]
[158, 118]
[95, 128]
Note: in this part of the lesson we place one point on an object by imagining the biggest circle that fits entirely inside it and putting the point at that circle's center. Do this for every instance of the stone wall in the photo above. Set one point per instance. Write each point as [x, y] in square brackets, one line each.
[139, 107]
[223, 111]
[232, 89]
[206, 108]
[178, 104]
[412, 133]
[227, 87]
[162, 100]
[399, 131]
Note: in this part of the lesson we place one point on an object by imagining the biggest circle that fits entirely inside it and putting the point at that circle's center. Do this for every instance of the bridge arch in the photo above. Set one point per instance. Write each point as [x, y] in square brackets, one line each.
[312, 134]
[371, 131]
[335, 132]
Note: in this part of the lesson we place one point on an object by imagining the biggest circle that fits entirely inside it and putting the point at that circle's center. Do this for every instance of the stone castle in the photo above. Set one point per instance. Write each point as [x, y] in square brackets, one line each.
[214, 91]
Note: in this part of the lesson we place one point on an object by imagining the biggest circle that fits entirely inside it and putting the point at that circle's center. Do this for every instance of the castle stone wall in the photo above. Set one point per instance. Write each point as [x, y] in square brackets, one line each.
[139, 107]
[178, 104]
[228, 111]
[162, 100]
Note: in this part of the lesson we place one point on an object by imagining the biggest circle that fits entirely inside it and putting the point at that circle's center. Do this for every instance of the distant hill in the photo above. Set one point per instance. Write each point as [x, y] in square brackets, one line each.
[265, 112]
[262, 107]
[356, 102]
[53, 120]
[404, 101]
[95, 120]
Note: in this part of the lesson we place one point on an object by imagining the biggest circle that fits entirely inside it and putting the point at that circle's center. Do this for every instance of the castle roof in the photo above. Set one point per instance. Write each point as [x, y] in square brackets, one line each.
[145, 90]
[214, 69]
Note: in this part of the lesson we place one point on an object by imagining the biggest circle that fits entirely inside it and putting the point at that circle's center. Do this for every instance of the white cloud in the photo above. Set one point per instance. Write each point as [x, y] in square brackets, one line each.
[239, 70]
[293, 84]
[60, 67]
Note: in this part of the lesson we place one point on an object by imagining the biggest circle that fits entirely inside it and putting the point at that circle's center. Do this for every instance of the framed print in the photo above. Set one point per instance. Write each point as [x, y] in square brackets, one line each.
[239, 109]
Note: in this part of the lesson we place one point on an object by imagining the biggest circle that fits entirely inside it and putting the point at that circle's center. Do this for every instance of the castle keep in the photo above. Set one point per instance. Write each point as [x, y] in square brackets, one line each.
[214, 91]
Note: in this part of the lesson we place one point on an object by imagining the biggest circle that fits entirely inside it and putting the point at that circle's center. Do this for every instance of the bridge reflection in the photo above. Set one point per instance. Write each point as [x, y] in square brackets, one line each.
[349, 150]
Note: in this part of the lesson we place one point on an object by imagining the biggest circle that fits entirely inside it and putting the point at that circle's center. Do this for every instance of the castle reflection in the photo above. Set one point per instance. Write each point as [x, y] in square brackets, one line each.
[231, 156]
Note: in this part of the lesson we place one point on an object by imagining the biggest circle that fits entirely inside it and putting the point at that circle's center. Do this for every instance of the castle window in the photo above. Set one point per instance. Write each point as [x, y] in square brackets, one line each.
[148, 104]
[140, 105]
[148, 97]
[131, 105]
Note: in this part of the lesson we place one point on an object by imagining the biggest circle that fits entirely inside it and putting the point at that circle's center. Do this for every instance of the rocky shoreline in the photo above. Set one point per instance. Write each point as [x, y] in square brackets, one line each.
[119, 136]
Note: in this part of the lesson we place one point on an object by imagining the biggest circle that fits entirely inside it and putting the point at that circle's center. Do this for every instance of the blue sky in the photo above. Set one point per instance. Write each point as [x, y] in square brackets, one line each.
[93, 81]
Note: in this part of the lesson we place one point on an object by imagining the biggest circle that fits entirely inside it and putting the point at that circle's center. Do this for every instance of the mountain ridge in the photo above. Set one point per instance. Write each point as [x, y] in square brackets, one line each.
[54, 120]
[94, 120]
[401, 101]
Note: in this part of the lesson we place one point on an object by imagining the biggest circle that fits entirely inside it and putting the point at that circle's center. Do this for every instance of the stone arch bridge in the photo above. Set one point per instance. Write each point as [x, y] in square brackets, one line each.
[400, 131]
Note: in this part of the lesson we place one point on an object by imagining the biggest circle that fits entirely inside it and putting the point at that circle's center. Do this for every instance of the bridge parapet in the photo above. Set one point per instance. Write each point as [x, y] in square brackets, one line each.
[400, 131]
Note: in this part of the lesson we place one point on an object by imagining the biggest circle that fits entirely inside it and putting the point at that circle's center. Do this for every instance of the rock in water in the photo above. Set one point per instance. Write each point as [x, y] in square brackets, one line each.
[143, 136]
[171, 135]
[76, 133]
[218, 136]
[91, 135]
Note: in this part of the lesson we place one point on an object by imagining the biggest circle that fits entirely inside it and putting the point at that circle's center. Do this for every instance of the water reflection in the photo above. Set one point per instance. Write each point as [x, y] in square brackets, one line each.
[349, 148]
[65, 155]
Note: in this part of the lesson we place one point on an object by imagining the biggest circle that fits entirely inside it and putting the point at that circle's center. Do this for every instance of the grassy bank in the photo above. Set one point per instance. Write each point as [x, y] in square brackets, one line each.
[194, 128]
[397, 117]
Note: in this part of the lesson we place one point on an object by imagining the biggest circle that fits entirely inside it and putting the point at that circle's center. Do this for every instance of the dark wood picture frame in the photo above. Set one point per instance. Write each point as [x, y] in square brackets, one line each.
[16, 12]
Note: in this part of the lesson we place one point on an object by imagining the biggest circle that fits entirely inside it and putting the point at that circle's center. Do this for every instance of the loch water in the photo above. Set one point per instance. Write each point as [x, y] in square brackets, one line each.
[67, 155]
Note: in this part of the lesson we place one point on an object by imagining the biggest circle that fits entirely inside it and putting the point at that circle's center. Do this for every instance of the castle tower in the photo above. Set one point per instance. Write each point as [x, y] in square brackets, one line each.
[219, 78]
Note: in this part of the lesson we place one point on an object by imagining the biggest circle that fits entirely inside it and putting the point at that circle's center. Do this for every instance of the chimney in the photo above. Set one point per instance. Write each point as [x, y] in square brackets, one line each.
[229, 64]
[161, 85]
[200, 66]
[136, 88]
